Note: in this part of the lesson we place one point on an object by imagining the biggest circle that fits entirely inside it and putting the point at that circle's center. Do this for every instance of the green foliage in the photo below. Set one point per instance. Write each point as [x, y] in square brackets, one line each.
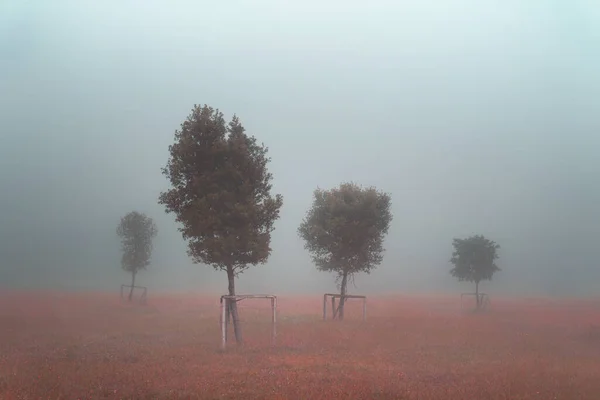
[345, 228]
[221, 191]
[474, 259]
[136, 231]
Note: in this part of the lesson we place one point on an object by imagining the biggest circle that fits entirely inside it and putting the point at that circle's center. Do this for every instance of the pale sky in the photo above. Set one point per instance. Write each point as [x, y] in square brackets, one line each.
[476, 116]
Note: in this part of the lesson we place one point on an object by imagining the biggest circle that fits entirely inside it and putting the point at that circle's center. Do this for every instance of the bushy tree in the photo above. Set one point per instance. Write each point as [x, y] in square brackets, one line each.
[344, 231]
[221, 195]
[474, 259]
[136, 231]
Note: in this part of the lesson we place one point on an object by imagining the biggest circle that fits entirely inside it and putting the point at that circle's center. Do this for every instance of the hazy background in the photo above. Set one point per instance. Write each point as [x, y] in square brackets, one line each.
[477, 116]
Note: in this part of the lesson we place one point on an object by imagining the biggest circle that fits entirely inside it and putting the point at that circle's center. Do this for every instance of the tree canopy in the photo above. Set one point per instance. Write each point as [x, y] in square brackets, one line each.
[221, 191]
[473, 259]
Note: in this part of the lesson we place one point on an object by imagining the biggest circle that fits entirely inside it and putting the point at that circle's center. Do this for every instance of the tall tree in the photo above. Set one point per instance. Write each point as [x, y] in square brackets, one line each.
[474, 259]
[136, 231]
[221, 195]
[344, 231]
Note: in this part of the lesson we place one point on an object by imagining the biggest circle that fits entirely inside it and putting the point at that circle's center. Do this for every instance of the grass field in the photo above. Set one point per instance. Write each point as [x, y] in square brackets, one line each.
[91, 346]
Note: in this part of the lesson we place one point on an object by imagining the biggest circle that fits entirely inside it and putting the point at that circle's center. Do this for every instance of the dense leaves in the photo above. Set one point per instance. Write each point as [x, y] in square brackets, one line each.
[345, 228]
[474, 259]
[221, 191]
[136, 231]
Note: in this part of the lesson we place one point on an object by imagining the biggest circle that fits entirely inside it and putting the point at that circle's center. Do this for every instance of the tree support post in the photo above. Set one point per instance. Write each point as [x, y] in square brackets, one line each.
[273, 320]
[224, 307]
[143, 296]
[364, 309]
[334, 311]
[226, 302]
[482, 300]
[342, 298]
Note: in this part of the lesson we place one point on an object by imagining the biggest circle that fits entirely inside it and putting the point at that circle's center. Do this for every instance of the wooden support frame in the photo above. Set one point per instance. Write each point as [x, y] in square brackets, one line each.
[224, 317]
[144, 296]
[334, 310]
[483, 298]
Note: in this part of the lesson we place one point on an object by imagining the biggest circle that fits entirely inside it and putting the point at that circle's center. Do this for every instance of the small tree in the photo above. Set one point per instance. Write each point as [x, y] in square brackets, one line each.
[344, 231]
[474, 261]
[221, 195]
[136, 231]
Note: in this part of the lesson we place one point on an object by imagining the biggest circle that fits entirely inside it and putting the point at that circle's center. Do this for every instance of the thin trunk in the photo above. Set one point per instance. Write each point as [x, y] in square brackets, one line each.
[342, 299]
[477, 295]
[132, 285]
[237, 329]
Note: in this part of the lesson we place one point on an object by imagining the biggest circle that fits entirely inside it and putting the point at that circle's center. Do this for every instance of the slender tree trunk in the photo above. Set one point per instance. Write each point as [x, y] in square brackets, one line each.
[237, 329]
[342, 293]
[132, 285]
[478, 303]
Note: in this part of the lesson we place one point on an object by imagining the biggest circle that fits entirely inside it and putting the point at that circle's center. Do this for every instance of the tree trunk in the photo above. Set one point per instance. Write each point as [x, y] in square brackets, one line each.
[342, 293]
[478, 301]
[237, 329]
[132, 285]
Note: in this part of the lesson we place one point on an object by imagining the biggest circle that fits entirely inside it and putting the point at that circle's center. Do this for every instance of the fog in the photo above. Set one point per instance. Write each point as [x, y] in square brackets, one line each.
[476, 116]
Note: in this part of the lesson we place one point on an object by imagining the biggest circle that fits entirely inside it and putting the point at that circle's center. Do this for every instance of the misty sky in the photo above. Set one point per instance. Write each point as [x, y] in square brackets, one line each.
[477, 116]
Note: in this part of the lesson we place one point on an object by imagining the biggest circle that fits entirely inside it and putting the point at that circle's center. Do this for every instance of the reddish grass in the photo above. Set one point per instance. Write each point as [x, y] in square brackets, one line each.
[67, 346]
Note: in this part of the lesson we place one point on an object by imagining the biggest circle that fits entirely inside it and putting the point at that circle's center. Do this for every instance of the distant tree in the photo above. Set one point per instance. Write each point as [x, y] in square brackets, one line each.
[136, 231]
[474, 261]
[344, 231]
[221, 195]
